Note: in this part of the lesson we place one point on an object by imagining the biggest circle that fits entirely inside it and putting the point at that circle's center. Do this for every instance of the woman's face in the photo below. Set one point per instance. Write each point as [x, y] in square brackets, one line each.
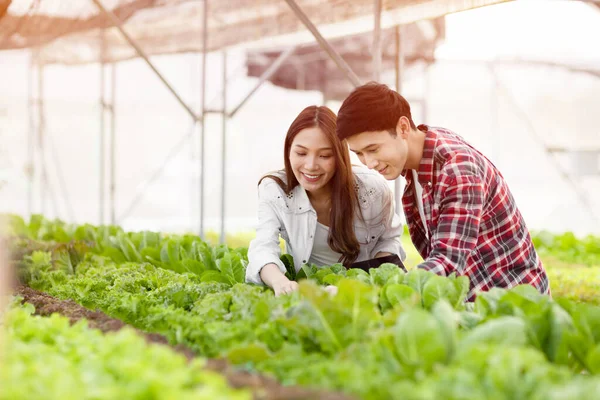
[312, 160]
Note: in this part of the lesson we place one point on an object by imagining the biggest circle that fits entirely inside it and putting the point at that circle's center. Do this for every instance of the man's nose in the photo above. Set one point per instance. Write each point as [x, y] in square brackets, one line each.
[371, 162]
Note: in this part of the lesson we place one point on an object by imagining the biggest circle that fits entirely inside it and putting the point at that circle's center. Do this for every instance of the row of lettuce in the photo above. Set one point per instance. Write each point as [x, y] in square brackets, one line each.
[47, 358]
[187, 253]
[386, 334]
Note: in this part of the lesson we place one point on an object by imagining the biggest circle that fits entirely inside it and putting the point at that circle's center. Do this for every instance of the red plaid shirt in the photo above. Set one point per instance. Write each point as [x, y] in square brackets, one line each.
[475, 228]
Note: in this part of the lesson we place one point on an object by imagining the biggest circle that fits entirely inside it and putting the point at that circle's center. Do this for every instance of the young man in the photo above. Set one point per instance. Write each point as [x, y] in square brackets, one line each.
[460, 212]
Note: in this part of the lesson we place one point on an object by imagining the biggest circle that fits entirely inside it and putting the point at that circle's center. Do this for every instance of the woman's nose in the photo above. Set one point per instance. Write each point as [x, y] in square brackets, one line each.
[310, 163]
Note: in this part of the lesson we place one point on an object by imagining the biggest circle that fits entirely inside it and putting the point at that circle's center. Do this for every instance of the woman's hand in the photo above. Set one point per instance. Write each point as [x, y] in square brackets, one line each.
[272, 276]
[331, 289]
[285, 287]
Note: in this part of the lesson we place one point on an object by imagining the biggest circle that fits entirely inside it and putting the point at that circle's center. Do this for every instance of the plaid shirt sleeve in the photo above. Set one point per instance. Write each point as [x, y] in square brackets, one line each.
[461, 203]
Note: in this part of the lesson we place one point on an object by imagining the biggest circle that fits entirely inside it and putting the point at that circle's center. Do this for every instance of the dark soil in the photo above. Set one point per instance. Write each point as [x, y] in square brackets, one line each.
[264, 388]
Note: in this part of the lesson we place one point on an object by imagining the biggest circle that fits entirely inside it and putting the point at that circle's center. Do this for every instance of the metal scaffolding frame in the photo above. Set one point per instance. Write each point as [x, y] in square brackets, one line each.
[108, 107]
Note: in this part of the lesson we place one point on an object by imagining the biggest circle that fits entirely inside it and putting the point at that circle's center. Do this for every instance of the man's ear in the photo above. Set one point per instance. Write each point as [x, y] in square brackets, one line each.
[403, 127]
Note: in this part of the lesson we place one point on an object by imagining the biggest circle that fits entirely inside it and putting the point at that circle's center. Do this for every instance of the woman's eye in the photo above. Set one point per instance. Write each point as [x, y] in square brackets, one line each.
[374, 150]
[300, 154]
[327, 156]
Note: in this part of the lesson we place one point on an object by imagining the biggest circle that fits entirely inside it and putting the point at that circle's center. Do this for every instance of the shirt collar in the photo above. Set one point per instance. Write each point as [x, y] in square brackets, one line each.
[425, 171]
[426, 165]
[301, 201]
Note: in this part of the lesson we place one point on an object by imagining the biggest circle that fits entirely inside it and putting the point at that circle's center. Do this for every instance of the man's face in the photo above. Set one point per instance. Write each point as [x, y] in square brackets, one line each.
[381, 151]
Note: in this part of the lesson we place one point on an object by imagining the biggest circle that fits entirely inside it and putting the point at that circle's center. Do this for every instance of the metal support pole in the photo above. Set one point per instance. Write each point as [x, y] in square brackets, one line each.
[377, 40]
[40, 136]
[399, 64]
[31, 135]
[193, 201]
[101, 150]
[119, 25]
[324, 81]
[300, 75]
[44, 188]
[339, 61]
[203, 108]
[113, 144]
[224, 148]
[264, 77]
[399, 71]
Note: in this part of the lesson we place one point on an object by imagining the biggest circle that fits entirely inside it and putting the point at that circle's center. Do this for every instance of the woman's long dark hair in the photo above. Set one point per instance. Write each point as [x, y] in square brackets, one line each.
[344, 199]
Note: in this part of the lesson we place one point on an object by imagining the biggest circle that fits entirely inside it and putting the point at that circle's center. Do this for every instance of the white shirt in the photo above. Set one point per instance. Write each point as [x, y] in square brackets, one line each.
[293, 217]
[322, 254]
[419, 199]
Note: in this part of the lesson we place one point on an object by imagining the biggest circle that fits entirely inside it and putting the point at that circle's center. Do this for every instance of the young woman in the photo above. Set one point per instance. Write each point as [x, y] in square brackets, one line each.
[325, 210]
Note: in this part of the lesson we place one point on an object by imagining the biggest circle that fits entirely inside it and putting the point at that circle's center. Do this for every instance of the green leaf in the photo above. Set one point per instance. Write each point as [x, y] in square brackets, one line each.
[359, 275]
[338, 268]
[205, 255]
[62, 260]
[35, 224]
[332, 279]
[448, 320]
[384, 272]
[502, 331]
[322, 273]
[150, 253]
[114, 254]
[593, 360]
[13, 225]
[193, 266]
[462, 286]
[248, 354]
[416, 279]
[288, 262]
[420, 343]
[439, 288]
[149, 239]
[306, 272]
[213, 276]
[128, 248]
[402, 296]
[231, 268]
[170, 252]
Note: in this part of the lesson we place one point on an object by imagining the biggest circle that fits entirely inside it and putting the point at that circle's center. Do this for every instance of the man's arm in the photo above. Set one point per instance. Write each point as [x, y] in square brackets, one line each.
[457, 230]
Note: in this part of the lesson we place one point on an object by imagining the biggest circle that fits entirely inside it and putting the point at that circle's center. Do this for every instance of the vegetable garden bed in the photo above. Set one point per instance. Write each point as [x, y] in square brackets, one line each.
[263, 388]
[385, 335]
